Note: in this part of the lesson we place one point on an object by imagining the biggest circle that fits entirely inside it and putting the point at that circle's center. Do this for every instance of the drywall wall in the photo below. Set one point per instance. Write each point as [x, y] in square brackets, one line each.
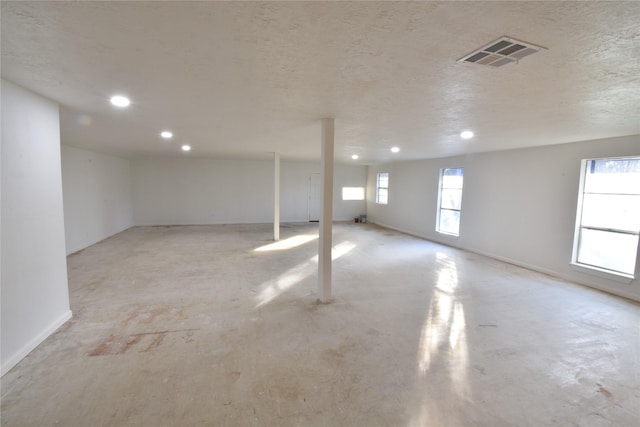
[348, 176]
[179, 191]
[294, 196]
[34, 294]
[517, 205]
[183, 191]
[97, 196]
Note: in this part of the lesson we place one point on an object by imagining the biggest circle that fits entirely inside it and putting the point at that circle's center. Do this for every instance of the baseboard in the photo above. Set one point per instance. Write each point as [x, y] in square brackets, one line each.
[92, 242]
[558, 275]
[35, 342]
[282, 221]
[414, 234]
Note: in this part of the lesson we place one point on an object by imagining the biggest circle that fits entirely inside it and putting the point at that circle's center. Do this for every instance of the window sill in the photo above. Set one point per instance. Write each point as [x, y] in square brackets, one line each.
[605, 274]
[444, 233]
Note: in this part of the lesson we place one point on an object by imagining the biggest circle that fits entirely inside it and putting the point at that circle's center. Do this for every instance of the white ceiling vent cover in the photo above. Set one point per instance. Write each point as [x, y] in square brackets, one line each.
[501, 52]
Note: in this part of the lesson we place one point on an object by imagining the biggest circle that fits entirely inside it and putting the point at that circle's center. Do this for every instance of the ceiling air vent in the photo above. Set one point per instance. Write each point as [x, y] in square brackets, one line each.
[501, 52]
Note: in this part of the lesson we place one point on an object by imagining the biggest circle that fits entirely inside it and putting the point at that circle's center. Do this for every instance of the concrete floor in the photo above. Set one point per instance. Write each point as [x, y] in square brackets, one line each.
[192, 326]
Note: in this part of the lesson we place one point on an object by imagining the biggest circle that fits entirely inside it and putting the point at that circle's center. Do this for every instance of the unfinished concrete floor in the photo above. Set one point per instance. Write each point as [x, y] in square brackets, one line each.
[188, 326]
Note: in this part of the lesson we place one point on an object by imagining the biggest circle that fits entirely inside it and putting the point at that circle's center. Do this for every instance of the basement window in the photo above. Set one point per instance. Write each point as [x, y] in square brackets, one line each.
[450, 201]
[608, 216]
[382, 188]
[352, 193]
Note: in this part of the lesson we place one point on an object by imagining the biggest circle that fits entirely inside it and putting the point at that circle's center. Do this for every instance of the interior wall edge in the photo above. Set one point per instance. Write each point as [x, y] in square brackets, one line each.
[35, 342]
[74, 251]
[35, 297]
[97, 196]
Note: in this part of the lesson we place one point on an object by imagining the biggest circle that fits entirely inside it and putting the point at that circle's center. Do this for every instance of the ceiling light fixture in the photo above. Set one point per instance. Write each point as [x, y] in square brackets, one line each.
[395, 149]
[467, 134]
[354, 157]
[186, 147]
[120, 101]
[166, 134]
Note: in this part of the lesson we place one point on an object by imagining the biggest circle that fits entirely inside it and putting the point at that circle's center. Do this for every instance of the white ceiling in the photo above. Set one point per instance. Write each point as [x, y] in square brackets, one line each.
[244, 79]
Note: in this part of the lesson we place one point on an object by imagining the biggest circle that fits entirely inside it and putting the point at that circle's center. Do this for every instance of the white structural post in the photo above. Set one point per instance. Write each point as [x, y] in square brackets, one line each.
[276, 196]
[326, 213]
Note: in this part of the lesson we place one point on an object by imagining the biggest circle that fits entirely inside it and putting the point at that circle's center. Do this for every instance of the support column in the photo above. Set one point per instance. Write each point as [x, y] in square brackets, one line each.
[326, 213]
[276, 196]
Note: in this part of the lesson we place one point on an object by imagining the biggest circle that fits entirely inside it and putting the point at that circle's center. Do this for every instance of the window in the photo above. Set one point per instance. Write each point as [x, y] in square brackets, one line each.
[450, 201]
[382, 188]
[352, 193]
[608, 215]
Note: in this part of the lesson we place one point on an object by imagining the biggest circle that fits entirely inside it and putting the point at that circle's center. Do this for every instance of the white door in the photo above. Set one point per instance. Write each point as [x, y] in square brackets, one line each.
[314, 197]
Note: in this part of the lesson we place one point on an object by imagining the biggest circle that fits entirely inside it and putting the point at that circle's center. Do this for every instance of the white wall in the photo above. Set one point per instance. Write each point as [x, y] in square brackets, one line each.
[182, 191]
[97, 196]
[348, 176]
[34, 292]
[294, 190]
[518, 205]
[179, 191]
[294, 184]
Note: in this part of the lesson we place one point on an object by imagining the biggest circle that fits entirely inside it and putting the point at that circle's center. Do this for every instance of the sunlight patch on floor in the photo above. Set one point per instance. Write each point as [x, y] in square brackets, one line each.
[289, 243]
[444, 336]
[275, 287]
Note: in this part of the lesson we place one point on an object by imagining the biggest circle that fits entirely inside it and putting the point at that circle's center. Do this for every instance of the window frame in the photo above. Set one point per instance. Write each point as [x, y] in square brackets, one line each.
[379, 187]
[440, 208]
[349, 193]
[597, 270]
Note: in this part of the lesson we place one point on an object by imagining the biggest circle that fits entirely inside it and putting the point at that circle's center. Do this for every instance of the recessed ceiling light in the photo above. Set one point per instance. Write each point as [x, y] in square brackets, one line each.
[395, 149]
[354, 157]
[186, 147]
[467, 134]
[120, 101]
[166, 134]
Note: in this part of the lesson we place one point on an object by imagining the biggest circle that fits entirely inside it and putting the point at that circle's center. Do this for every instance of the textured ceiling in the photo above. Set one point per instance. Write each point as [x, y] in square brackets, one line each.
[244, 79]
